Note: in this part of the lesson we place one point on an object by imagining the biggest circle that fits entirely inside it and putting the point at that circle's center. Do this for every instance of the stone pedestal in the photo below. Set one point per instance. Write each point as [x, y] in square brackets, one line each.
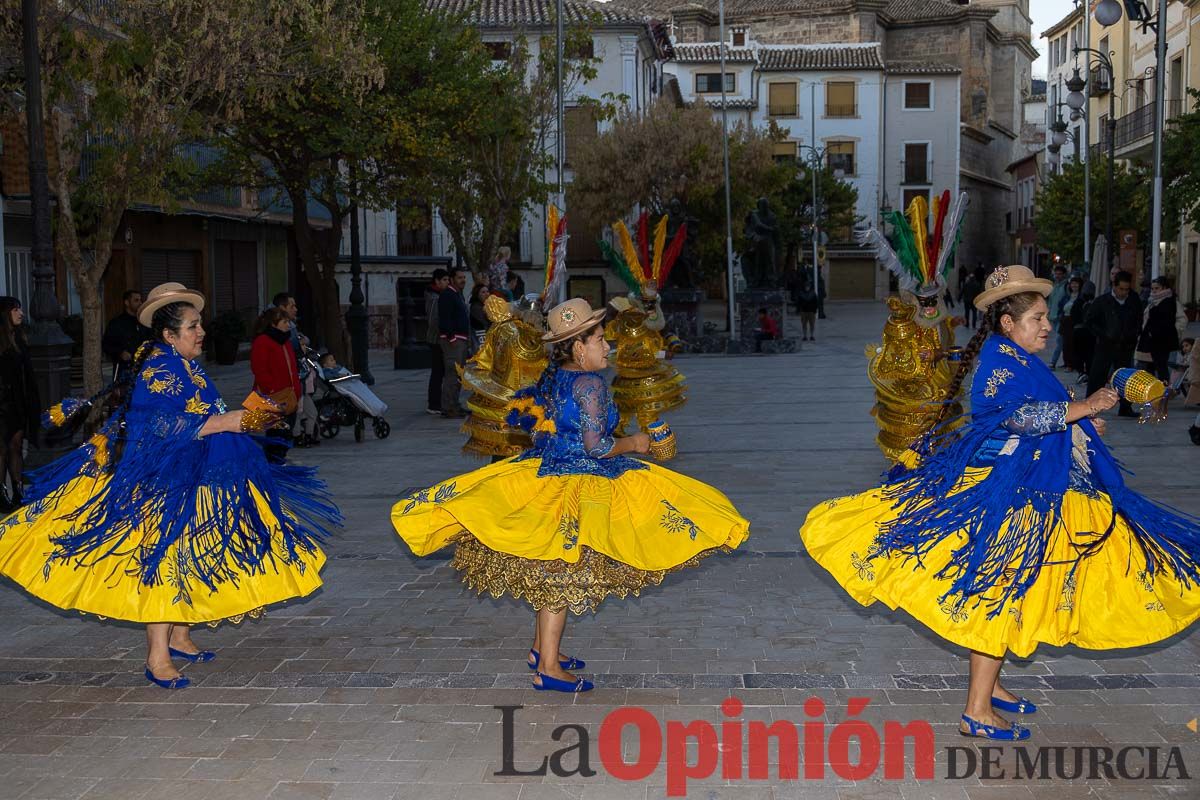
[681, 307]
[750, 301]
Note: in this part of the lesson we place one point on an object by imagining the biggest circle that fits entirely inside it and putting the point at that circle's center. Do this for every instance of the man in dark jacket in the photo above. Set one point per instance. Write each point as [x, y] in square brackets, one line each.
[454, 336]
[440, 280]
[124, 334]
[1114, 320]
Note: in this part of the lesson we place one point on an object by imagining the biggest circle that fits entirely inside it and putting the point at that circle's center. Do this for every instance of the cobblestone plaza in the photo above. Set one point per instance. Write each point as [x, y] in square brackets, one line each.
[385, 683]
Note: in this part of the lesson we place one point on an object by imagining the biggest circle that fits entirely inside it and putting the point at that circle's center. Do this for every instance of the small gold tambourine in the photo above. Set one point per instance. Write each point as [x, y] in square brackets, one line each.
[262, 413]
[662, 440]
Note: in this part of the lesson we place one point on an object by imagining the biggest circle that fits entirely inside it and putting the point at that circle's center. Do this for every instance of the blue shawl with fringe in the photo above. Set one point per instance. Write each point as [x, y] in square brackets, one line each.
[158, 484]
[1017, 427]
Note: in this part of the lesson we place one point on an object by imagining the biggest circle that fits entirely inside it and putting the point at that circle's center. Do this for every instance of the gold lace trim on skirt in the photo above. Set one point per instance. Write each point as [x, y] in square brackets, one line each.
[555, 584]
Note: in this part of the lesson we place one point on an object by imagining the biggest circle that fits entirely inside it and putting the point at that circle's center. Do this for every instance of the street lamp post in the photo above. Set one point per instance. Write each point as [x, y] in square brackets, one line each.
[1108, 13]
[731, 309]
[816, 156]
[1077, 101]
[1059, 137]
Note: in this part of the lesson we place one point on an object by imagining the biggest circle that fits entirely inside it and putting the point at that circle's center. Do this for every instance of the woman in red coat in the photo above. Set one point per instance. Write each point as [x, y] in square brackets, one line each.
[273, 364]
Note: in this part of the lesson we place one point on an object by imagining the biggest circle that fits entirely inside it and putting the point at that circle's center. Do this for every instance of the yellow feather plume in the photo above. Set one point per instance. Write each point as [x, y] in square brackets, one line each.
[660, 245]
[628, 248]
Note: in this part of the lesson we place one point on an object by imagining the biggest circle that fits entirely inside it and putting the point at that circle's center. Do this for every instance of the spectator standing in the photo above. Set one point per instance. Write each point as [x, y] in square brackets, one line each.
[454, 336]
[807, 306]
[286, 302]
[1114, 320]
[1159, 337]
[1054, 303]
[124, 334]
[273, 364]
[441, 279]
[479, 318]
[971, 289]
[1066, 325]
[496, 276]
[20, 406]
[1081, 338]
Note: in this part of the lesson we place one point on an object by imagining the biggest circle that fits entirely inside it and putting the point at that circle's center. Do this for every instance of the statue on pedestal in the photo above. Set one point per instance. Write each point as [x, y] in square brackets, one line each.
[762, 234]
[683, 274]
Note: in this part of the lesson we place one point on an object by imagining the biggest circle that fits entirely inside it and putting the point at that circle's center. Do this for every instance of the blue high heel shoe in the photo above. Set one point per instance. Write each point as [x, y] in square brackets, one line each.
[565, 663]
[1019, 706]
[172, 683]
[203, 657]
[555, 685]
[977, 729]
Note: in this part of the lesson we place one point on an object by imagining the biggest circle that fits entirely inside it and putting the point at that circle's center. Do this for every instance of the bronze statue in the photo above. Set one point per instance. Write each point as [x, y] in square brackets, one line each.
[762, 233]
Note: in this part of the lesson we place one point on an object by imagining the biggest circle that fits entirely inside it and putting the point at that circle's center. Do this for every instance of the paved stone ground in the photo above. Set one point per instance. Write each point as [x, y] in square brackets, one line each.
[383, 684]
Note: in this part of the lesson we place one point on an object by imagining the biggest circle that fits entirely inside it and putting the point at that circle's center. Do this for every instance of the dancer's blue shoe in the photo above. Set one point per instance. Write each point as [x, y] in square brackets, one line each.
[978, 729]
[565, 663]
[202, 657]
[555, 685]
[1018, 706]
[171, 683]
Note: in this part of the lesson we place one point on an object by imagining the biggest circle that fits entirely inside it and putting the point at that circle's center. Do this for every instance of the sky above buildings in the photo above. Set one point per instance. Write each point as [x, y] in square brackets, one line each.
[1045, 13]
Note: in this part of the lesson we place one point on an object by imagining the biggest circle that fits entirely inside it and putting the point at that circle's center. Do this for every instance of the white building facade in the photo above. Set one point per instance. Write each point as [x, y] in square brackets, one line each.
[889, 129]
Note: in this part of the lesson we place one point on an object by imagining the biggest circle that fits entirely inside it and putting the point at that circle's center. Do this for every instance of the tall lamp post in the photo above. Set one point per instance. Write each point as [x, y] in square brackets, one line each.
[731, 309]
[1076, 100]
[49, 347]
[816, 157]
[1108, 13]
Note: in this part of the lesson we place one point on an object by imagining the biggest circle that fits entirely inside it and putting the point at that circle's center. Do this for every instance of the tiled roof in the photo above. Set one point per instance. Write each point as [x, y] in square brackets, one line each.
[709, 53]
[538, 13]
[819, 57]
[921, 68]
[918, 10]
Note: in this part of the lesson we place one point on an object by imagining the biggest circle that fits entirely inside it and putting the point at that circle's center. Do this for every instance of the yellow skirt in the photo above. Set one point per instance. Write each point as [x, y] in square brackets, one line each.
[108, 585]
[1109, 602]
[568, 541]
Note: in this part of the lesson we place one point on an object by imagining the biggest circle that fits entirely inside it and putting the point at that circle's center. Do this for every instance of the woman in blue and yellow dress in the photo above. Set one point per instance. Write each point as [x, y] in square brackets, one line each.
[574, 519]
[171, 515]
[1017, 528]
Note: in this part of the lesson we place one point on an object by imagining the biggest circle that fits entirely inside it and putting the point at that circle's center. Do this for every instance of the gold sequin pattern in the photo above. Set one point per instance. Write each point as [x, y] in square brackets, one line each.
[555, 584]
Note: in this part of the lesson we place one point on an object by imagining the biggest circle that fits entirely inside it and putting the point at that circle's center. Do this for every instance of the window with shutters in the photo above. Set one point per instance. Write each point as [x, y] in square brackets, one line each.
[235, 275]
[840, 156]
[781, 100]
[916, 162]
[579, 123]
[784, 151]
[163, 266]
[710, 82]
[839, 99]
[499, 51]
[918, 95]
[739, 38]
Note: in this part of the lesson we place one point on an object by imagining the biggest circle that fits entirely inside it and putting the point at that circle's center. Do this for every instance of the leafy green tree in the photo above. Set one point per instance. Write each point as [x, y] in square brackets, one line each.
[837, 199]
[1181, 170]
[127, 85]
[647, 159]
[1059, 207]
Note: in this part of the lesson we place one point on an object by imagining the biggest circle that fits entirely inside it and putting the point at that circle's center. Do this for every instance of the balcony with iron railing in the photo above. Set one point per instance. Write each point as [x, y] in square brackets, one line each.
[1138, 125]
[784, 110]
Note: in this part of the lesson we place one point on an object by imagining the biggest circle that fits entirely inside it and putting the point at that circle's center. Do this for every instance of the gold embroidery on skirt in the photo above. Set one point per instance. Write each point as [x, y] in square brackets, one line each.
[555, 584]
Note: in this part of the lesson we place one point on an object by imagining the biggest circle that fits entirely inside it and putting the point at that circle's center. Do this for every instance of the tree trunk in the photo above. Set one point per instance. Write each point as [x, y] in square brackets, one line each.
[93, 327]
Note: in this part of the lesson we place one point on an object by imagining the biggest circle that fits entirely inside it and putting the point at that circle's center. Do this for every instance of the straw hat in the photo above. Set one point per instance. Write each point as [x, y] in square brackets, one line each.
[163, 295]
[571, 319]
[1007, 281]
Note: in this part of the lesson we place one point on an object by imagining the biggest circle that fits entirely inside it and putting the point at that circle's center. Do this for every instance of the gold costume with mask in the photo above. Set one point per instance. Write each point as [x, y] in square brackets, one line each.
[645, 385]
[910, 378]
[512, 357]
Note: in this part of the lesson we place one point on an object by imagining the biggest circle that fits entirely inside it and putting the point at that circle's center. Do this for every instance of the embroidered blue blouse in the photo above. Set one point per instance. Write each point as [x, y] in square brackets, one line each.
[154, 468]
[584, 419]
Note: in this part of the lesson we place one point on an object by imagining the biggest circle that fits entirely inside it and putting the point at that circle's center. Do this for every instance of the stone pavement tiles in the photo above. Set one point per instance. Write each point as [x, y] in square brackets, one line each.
[383, 685]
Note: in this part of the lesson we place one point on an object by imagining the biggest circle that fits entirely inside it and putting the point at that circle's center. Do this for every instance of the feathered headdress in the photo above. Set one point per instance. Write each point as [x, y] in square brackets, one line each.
[635, 263]
[920, 254]
[556, 255]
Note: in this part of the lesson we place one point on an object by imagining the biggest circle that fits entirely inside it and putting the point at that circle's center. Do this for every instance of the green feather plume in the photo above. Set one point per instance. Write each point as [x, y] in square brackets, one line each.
[905, 245]
[619, 266]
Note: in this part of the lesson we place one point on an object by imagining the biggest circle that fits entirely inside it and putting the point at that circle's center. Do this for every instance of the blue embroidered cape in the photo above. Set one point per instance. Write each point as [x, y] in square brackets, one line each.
[1018, 428]
[584, 419]
[200, 492]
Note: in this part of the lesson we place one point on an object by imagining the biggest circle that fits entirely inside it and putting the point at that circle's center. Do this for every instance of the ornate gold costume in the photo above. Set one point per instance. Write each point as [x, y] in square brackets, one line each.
[511, 358]
[910, 377]
[645, 385]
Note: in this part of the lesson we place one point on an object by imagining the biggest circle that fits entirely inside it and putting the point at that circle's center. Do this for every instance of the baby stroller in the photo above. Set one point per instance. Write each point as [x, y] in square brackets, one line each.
[346, 400]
